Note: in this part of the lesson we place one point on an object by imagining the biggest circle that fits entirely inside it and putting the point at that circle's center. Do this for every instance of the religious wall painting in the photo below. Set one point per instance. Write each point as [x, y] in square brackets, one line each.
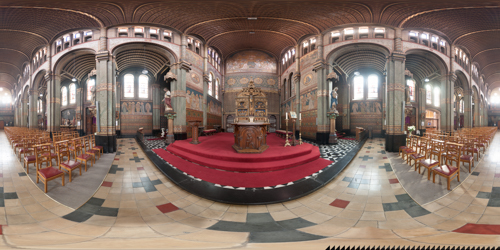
[271, 82]
[194, 99]
[308, 59]
[308, 79]
[231, 81]
[214, 106]
[250, 61]
[194, 58]
[136, 108]
[309, 100]
[241, 81]
[258, 81]
[244, 80]
[364, 107]
[68, 117]
[196, 78]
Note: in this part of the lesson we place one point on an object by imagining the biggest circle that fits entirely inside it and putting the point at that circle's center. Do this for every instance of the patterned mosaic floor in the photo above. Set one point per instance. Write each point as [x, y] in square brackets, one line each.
[137, 207]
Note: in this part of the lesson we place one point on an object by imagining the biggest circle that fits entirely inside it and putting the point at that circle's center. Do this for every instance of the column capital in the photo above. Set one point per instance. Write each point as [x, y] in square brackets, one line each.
[319, 64]
[102, 56]
[156, 86]
[206, 77]
[49, 76]
[452, 77]
[296, 77]
[185, 65]
[398, 56]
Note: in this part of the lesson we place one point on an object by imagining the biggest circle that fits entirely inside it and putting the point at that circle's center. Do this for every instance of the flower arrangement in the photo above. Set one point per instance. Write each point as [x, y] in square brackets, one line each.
[411, 129]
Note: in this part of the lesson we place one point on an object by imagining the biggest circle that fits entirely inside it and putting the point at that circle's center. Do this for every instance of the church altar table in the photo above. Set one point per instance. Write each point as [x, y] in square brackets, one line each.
[250, 138]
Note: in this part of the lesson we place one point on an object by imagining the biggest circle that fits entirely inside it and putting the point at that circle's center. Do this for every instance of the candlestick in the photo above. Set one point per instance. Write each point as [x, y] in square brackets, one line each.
[300, 131]
[287, 142]
[300, 116]
[286, 113]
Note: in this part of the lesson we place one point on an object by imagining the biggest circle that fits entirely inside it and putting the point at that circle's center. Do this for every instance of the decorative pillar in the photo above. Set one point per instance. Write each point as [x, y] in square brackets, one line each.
[54, 102]
[178, 90]
[33, 116]
[24, 114]
[206, 81]
[79, 106]
[105, 97]
[422, 101]
[170, 136]
[395, 136]
[156, 108]
[447, 89]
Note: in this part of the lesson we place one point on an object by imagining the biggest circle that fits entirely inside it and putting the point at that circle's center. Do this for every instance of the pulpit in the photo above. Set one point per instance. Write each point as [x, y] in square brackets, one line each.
[250, 138]
[194, 125]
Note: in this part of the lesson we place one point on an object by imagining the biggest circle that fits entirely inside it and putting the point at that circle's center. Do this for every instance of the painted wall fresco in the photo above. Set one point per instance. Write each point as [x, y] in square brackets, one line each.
[366, 114]
[308, 59]
[264, 81]
[194, 99]
[309, 100]
[134, 115]
[250, 61]
[285, 108]
[214, 106]
[68, 117]
[213, 120]
[194, 59]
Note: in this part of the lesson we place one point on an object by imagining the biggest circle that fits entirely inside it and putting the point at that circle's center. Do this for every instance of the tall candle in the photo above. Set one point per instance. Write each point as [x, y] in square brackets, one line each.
[300, 116]
[286, 115]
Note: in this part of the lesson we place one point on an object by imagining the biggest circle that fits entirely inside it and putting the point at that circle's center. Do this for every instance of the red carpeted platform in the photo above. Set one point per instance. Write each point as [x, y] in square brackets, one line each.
[217, 162]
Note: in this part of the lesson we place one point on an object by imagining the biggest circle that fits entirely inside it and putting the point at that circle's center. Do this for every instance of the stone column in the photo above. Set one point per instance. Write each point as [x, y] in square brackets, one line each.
[54, 102]
[33, 115]
[105, 97]
[24, 114]
[156, 108]
[447, 90]
[395, 136]
[205, 85]
[422, 109]
[179, 93]
[79, 106]
[323, 126]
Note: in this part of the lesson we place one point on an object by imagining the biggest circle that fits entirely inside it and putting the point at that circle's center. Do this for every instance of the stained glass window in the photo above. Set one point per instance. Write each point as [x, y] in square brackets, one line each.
[217, 89]
[90, 84]
[372, 86]
[128, 80]
[437, 97]
[72, 93]
[64, 94]
[210, 78]
[143, 86]
[411, 86]
[428, 94]
[358, 87]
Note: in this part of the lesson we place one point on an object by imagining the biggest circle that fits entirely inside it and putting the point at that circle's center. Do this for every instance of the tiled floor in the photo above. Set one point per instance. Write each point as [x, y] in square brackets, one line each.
[137, 207]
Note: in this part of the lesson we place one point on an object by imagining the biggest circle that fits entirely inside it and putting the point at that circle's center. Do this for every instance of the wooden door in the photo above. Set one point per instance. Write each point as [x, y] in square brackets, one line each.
[2, 123]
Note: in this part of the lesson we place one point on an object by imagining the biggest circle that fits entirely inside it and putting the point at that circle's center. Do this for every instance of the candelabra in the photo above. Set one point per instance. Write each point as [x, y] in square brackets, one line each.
[287, 142]
[300, 131]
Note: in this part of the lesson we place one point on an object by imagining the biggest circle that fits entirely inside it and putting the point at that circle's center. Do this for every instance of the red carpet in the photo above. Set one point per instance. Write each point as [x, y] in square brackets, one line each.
[217, 162]
[471, 228]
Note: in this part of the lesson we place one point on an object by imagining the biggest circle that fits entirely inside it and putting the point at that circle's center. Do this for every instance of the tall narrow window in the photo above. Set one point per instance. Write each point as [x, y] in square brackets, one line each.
[372, 86]
[217, 89]
[437, 97]
[72, 93]
[358, 87]
[90, 84]
[143, 86]
[411, 86]
[210, 82]
[128, 80]
[428, 94]
[64, 96]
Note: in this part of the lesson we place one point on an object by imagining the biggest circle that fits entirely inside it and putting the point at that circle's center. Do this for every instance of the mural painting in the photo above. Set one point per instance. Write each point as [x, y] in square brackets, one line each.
[250, 61]
[214, 106]
[366, 114]
[194, 58]
[309, 100]
[308, 59]
[262, 81]
[194, 99]
[135, 115]
[68, 117]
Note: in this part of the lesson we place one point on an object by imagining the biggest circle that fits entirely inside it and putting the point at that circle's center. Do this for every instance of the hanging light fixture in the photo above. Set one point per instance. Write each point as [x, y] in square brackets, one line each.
[144, 71]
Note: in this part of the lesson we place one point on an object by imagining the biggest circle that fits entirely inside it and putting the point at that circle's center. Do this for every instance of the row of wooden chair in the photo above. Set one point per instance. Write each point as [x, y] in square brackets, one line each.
[447, 148]
[36, 148]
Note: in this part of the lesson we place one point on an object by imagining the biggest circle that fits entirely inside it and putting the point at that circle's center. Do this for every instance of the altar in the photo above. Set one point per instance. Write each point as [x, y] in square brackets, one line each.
[251, 122]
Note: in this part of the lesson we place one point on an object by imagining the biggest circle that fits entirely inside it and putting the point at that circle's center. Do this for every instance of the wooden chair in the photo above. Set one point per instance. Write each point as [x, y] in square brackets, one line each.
[68, 165]
[94, 147]
[29, 158]
[48, 173]
[409, 150]
[416, 156]
[448, 171]
[83, 156]
[437, 149]
[465, 157]
[88, 148]
[427, 163]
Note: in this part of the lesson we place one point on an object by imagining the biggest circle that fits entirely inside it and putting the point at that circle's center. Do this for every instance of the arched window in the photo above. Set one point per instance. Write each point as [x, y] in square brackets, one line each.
[372, 86]
[428, 94]
[90, 84]
[217, 89]
[411, 86]
[437, 96]
[358, 87]
[72, 93]
[64, 96]
[210, 82]
[128, 82]
[143, 86]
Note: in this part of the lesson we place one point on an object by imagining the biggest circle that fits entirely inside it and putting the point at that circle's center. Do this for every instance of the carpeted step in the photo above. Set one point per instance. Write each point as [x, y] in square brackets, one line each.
[247, 180]
[238, 166]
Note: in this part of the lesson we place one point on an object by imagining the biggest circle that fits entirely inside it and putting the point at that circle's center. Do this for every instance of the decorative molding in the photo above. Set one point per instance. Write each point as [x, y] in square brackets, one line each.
[179, 93]
[180, 129]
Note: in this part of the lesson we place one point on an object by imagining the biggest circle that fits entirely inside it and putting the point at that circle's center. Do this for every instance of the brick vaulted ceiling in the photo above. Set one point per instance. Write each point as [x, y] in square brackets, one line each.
[26, 25]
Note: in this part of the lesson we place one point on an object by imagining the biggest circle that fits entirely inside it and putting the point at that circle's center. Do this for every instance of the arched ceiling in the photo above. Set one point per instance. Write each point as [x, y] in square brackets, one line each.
[359, 57]
[26, 25]
[421, 66]
[141, 57]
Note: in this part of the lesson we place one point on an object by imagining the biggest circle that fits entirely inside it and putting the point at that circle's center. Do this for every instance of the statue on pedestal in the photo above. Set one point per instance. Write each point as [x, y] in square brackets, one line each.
[334, 101]
[92, 91]
[407, 95]
[168, 101]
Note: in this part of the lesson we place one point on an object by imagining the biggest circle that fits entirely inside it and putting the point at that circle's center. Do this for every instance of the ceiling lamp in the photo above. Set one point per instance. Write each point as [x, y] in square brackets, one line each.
[74, 79]
[356, 73]
[144, 71]
[426, 79]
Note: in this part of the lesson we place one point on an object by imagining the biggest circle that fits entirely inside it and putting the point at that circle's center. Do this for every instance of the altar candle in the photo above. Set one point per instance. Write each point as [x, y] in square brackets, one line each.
[286, 115]
[300, 116]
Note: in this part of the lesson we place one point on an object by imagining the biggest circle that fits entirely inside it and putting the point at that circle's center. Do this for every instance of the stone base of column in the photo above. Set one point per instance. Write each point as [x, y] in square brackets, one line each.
[156, 131]
[107, 142]
[333, 139]
[393, 142]
[322, 138]
[180, 136]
